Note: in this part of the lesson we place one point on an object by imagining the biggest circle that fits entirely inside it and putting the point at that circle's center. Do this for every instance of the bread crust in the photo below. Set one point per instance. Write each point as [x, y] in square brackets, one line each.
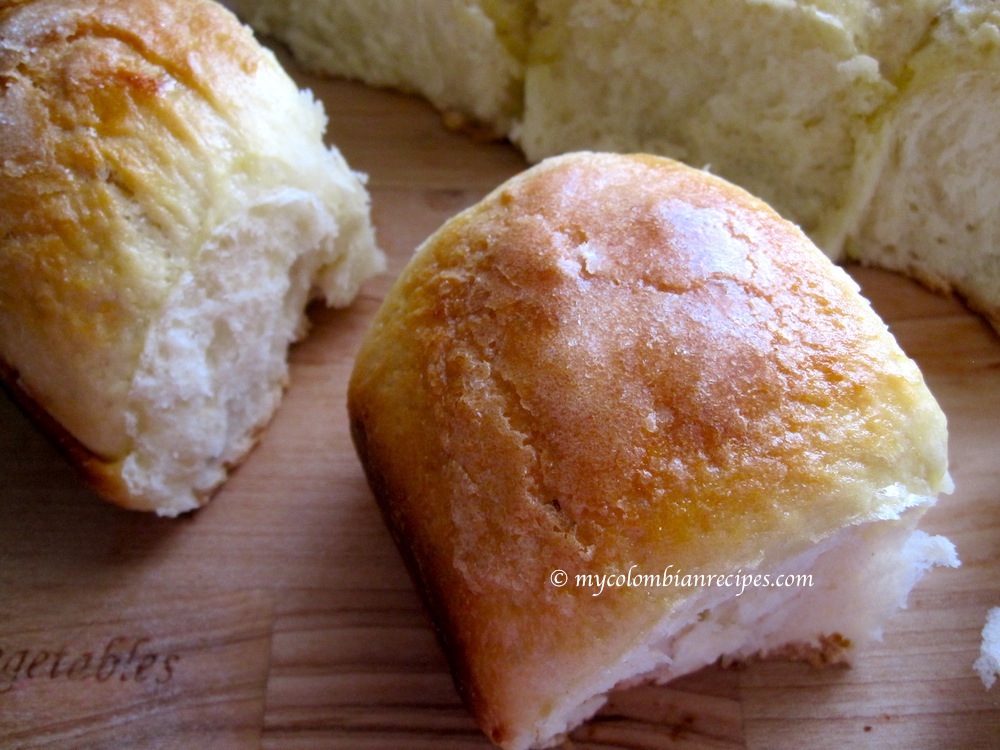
[104, 477]
[618, 362]
[100, 475]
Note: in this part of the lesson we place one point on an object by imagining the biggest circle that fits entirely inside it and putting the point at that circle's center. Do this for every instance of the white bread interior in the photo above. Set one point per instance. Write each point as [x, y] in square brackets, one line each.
[214, 365]
[170, 207]
[932, 212]
[464, 57]
[868, 123]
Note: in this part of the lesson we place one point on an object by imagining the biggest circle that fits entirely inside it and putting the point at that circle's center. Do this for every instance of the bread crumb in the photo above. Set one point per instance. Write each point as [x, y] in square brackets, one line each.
[988, 663]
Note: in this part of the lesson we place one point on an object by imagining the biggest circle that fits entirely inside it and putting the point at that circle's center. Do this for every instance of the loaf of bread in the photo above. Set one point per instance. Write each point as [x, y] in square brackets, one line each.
[167, 210]
[871, 124]
[623, 420]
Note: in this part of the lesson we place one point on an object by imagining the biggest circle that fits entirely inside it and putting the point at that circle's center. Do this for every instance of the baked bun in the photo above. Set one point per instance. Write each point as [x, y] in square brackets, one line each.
[869, 124]
[615, 368]
[167, 208]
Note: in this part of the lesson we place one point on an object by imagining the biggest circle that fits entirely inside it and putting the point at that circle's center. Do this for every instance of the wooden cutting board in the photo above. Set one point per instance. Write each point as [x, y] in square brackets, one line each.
[281, 617]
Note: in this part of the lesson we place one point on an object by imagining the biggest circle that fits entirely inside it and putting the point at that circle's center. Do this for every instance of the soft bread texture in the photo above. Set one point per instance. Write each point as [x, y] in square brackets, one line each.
[621, 365]
[936, 164]
[167, 208]
[869, 123]
[464, 56]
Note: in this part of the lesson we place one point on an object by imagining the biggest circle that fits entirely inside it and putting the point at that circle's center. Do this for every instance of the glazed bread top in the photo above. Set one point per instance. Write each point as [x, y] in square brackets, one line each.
[131, 131]
[617, 361]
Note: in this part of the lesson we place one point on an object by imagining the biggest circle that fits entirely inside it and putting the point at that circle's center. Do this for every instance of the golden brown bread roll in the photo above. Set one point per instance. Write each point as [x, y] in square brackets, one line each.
[167, 208]
[615, 368]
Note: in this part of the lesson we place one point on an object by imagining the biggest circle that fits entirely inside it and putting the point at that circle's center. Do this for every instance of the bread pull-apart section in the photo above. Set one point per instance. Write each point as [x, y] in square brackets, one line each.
[870, 124]
[623, 421]
[168, 209]
[464, 56]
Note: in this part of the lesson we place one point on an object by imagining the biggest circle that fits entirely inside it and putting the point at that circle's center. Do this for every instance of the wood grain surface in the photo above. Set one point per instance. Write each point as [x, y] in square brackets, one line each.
[281, 617]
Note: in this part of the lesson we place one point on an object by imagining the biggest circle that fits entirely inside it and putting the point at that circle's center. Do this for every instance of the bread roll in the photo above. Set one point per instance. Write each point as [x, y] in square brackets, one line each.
[868, 123]
[615, 368]
[167, 209]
